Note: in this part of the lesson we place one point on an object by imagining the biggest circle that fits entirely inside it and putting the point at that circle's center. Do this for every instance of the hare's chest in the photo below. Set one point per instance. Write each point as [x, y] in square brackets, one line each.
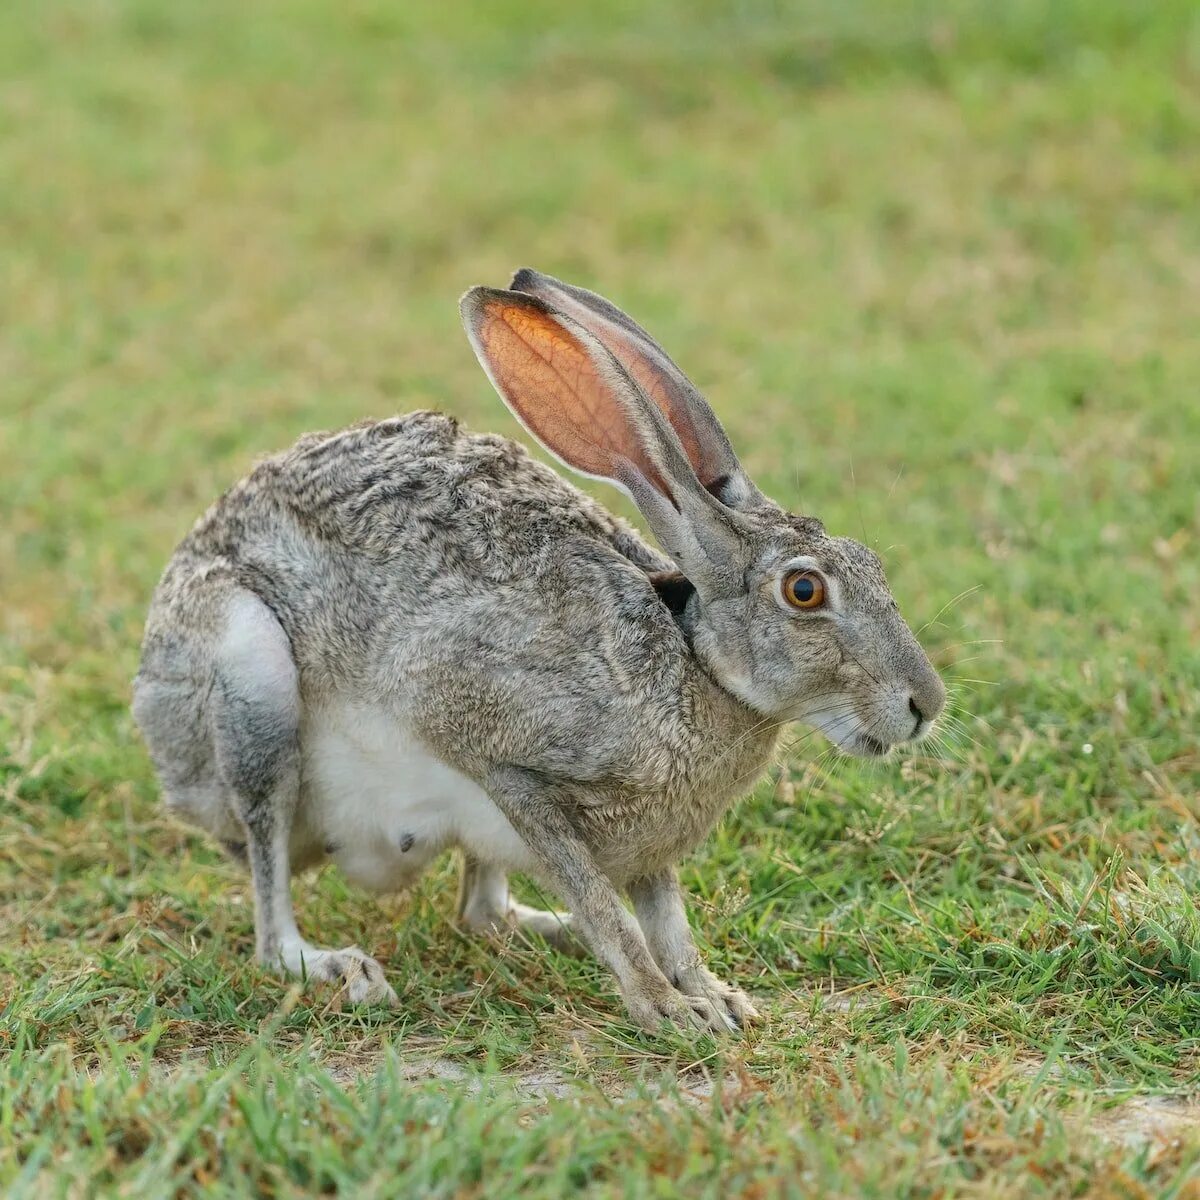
[645, 831]
[383, 807]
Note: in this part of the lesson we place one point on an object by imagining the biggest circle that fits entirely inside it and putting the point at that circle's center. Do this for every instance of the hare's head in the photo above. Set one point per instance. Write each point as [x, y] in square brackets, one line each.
[795, 623]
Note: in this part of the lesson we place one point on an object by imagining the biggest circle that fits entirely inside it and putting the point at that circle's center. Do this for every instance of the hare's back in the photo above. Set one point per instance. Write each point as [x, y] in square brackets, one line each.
[418, 488]
[358, 539]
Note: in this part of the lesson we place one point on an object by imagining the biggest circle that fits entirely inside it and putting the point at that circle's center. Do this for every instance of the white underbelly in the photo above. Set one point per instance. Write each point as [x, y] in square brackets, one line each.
[384, 807]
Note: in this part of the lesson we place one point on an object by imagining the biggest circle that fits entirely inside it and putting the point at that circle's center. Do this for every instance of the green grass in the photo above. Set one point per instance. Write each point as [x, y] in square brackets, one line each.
[937, 267]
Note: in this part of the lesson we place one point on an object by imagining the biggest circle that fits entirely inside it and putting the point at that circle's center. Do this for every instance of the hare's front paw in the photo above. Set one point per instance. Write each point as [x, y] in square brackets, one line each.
[650, 1007]
[733, 1002]
[360, 977]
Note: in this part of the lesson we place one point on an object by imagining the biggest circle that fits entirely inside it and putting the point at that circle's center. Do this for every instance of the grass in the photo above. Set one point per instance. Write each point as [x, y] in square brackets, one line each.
[936, 266]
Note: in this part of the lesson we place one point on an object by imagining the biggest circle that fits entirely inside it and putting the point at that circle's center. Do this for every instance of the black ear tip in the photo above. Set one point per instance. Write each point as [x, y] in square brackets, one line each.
[474, 301]
[526, 279]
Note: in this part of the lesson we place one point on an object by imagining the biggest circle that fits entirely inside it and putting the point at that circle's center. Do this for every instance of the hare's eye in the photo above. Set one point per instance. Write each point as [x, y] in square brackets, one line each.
[804, 589]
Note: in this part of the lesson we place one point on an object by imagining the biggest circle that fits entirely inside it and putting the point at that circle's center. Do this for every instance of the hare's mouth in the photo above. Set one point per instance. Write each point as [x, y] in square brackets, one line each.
[870, 747]
[849, 733]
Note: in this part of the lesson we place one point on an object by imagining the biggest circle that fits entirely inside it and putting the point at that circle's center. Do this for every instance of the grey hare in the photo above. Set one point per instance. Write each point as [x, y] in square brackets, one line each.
[404, 637]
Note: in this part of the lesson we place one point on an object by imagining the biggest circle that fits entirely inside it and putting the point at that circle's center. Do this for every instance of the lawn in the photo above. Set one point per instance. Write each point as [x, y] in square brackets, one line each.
[937, 267]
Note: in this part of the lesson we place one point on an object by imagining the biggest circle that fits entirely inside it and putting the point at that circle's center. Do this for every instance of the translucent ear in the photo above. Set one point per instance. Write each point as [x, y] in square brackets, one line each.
[700, 434]
[579, 402]
[574, 400]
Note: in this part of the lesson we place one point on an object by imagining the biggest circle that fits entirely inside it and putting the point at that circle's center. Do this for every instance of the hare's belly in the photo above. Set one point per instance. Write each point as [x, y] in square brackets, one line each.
[384, 807]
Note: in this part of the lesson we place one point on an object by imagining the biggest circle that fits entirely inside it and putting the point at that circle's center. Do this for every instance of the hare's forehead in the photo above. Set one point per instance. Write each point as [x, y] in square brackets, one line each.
[783, 537]
[856, 566]
[860, 573]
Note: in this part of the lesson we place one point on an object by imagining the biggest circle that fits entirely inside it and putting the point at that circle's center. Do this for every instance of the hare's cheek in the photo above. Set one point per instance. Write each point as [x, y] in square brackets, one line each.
[816, 651]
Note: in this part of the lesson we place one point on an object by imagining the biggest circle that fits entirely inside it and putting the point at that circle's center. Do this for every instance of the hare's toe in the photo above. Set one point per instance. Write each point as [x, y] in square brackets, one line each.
[361, 977]
[738, 1005]
[733, 1003]
[358, 975]
[711, 1015]
[653, 1008]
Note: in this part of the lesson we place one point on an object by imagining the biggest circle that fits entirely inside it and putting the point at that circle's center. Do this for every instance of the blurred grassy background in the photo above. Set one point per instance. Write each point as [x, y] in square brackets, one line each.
[937, 267]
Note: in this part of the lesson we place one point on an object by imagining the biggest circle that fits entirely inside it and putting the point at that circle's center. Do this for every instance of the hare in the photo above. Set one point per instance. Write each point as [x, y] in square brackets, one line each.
[404, 637]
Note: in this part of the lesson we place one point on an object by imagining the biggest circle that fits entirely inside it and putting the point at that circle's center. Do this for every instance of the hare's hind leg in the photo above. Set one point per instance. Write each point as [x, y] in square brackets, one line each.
[255, 723]
[486, 906]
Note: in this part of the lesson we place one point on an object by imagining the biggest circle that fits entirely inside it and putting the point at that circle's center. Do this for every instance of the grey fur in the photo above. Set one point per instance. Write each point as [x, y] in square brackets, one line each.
[531, 641]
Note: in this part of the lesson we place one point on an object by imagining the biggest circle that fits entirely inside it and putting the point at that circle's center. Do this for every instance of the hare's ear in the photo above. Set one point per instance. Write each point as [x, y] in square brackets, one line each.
[581, 405]
[701, 435]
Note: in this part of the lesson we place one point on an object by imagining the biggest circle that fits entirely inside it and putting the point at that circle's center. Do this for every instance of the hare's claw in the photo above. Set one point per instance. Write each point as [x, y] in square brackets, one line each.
[714, 1018]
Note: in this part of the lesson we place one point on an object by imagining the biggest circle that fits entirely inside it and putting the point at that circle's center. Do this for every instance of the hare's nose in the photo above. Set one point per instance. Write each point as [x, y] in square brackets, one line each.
[925, 701]
[918, 714]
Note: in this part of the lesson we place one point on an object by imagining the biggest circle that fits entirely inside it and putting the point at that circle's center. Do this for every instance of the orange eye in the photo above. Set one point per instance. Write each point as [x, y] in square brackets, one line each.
[804, 589]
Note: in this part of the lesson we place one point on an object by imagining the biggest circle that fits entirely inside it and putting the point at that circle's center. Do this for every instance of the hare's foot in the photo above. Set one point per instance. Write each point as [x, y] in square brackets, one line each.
[650, 1006]
[358, 975]
[731, 1002]
[485, 906]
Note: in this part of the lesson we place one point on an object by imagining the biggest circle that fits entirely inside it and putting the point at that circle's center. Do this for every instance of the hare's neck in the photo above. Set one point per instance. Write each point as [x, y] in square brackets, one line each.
[723, 749]
[734, 743]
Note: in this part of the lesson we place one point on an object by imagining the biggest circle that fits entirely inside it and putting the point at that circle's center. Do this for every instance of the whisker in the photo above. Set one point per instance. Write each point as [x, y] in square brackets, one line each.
[974, 642]
[954, 717]
[959, 731]
[959, 662]
[857, 500]
[949, 604]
